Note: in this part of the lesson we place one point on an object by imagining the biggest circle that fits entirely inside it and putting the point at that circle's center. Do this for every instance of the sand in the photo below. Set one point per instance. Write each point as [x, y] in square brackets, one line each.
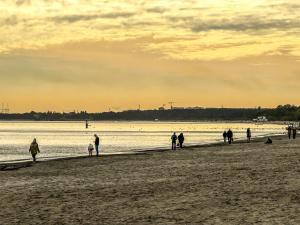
[237, 184]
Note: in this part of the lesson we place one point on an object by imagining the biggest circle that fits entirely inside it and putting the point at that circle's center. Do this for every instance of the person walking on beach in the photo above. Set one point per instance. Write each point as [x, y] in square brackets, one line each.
[294, 133]
[181, 140]
[174, 139]
[225, 136]
[34, 149]
[97, 143]
[230, 136]
[248, 135]
[289, 131]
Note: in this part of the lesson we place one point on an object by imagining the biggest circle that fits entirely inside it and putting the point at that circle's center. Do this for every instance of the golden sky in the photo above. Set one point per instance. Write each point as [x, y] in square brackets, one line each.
[94, 55]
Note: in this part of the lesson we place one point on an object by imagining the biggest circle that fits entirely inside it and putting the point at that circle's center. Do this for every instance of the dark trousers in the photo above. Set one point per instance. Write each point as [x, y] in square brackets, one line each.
[173, 145]
[180, 144]
[34, 157]
[97, 150]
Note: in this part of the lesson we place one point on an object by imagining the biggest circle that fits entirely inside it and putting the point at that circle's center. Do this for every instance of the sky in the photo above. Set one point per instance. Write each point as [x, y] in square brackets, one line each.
[96, 55]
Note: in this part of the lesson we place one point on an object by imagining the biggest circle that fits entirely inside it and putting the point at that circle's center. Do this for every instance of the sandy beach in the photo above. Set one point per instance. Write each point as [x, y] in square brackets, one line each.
[238, 184]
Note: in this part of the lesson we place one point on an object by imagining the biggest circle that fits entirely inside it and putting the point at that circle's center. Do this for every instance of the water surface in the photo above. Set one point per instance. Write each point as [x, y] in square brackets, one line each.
[65, 139]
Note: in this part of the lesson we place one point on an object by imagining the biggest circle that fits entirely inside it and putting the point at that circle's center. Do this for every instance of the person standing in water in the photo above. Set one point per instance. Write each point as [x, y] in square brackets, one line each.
[97, 143]
[34, 149]
[248, 135]
[181, 140]
[224, 136]
[174, 140]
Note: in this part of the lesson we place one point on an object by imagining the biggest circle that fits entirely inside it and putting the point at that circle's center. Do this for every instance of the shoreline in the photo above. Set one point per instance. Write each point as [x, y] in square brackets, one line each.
[221, 184]
[18, 164]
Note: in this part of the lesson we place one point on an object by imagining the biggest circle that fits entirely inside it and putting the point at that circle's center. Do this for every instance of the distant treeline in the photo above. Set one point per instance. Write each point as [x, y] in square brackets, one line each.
[281, 113]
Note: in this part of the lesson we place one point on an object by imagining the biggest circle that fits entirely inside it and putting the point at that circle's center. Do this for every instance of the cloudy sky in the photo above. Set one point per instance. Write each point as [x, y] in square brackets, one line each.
[99, 54]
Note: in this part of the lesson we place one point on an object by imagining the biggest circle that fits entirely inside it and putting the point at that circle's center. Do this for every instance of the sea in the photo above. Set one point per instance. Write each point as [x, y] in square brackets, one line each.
[71, 139]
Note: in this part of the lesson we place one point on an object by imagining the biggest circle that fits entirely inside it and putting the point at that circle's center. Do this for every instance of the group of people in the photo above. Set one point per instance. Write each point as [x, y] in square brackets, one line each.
[174, 139]
[228, 136]
[97, 145]
[34, 148]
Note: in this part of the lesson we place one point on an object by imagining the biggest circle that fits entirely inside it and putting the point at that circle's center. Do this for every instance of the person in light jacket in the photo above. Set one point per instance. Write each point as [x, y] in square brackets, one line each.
[34, 149]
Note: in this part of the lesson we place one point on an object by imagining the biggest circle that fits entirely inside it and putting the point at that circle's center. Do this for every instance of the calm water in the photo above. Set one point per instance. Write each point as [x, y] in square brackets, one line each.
[63, 139]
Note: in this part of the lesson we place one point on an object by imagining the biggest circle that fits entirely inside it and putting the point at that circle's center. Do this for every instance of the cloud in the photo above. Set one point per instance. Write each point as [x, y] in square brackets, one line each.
[114, 15]
[79, 17]
[156, 10]
[74, 18]
[22, 2]
[245, 24]
[190, 30]
[290, 7]
[9, 21]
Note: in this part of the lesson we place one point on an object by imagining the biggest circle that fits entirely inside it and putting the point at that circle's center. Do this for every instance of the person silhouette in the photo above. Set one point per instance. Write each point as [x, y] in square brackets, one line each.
[174, 139]
[269, 141]
[97, 143]
[248, 135]
[289, 131]
[34, 149]
[181, 140]
[230, 136]
[294, 133]
[225, 136]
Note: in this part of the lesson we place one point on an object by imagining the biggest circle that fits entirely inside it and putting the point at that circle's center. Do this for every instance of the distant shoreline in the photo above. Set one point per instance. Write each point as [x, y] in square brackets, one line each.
[280, 113]
[154, 121]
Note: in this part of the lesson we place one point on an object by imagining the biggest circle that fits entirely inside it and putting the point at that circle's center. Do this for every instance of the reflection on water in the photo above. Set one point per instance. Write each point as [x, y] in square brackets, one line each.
[61, 139]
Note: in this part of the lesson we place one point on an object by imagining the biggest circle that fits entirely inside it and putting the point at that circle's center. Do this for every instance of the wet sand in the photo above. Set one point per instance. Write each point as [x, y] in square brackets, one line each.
[238, 184]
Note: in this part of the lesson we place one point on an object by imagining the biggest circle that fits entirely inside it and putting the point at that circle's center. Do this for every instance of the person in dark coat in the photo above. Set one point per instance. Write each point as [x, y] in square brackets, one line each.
[294, 133]
[174, 140]
[230, 136]
[97, 143]
[248, 135]
[225, 136]
[289, 131]
[181, 140]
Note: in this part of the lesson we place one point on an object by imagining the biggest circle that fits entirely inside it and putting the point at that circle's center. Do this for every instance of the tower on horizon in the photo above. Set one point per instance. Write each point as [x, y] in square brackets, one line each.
[4, 108]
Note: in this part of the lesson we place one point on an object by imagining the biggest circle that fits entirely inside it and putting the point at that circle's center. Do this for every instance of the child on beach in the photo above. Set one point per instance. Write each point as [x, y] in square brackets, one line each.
[225, 136]
[90, 149]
